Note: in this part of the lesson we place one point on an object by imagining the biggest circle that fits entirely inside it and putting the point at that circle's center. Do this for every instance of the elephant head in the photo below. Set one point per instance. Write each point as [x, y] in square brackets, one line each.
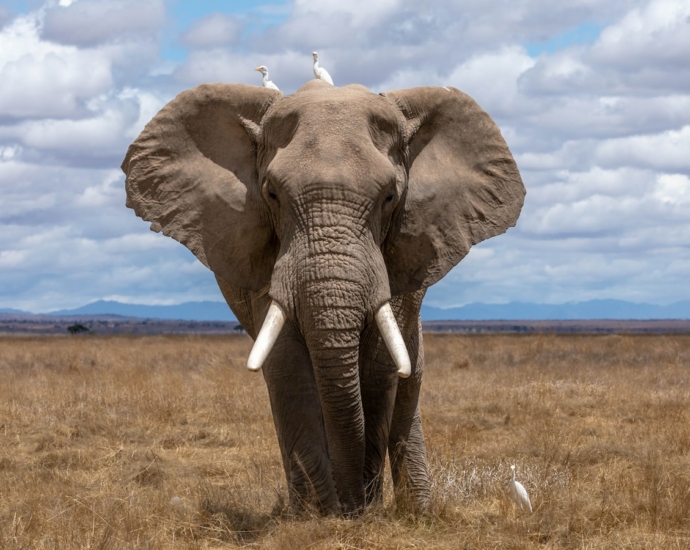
[331, 201]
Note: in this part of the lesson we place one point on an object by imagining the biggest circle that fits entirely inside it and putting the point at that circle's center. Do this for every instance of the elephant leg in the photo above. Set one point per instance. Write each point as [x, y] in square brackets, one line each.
[409, 466]
[299, 424]
[385, 412]
[378, 378]
[406, 448]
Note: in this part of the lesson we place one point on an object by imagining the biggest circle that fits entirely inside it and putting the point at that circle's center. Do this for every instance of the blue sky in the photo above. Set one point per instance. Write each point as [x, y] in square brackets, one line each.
[592, 97]
[585, 33]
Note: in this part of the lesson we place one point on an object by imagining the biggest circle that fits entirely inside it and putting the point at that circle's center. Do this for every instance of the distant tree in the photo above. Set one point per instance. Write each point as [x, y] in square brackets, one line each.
[239, 328]
[77, 328]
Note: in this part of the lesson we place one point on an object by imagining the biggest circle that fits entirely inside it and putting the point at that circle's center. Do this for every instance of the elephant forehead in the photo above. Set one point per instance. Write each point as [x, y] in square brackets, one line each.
[331, 160]
[349, 111]
[336, 134]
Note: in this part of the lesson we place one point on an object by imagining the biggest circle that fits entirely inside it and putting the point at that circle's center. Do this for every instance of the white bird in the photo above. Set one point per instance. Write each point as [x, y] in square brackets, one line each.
[518, 493]
[267, 83]
[320, 72]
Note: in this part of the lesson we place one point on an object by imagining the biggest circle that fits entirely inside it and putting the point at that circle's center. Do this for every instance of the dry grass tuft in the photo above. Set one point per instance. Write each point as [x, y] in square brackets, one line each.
[167, 442]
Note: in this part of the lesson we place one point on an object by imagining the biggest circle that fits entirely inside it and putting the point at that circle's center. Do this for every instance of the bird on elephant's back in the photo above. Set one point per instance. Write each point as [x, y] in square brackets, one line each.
[332, 210]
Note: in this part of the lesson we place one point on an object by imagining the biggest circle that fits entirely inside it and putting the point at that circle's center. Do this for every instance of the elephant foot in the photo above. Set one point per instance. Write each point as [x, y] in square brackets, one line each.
[373, 487]
[411, 485]
[311, 493]
[411, 471]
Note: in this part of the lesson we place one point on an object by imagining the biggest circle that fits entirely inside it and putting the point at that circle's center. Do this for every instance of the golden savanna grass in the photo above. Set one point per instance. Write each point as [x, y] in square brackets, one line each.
[167, 442]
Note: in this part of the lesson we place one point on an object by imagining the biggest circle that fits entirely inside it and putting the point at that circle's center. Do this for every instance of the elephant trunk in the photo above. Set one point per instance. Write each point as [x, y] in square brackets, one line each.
[332, 338]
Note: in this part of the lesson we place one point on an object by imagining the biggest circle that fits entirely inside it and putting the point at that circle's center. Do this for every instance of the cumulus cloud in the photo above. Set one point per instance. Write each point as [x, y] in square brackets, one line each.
[99, 138]
[657, 33]
[214, 30]
[39, 79]
[493, 78]
[621, 204]
[362, 12]
[669, 150]
[92, 22]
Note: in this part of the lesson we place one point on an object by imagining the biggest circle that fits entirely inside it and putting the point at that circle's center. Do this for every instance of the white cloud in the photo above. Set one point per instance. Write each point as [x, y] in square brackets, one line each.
[148, 104]
[40, 79]
[93, 22]
[108, 192]
[216, 29]
[8, 153]
[607, 202]
[12, 258]
[596, 117]
[657, 33]
[673, 189]
[102, 133]
[101, 138]
[138, 242]
[669, 150]
[358, 12]
[219, 65]
[562, 73]
[493, 78]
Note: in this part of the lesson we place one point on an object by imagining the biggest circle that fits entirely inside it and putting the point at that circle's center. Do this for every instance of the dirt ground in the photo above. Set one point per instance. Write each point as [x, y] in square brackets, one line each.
[168, 442]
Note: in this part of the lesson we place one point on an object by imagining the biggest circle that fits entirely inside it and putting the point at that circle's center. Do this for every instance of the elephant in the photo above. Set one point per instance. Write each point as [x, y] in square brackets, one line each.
[324, 216]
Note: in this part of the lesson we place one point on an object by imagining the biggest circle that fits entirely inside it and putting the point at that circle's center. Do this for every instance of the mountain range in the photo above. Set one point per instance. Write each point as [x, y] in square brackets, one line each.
[219, 311]
[592, 309]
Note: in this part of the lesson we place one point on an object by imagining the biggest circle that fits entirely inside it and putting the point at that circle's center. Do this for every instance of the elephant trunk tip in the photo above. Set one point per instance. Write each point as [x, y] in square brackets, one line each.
[390, 332]
[270, 330]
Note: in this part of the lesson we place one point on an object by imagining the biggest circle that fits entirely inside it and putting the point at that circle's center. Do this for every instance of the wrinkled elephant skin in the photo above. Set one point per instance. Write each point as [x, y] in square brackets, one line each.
[331, 204]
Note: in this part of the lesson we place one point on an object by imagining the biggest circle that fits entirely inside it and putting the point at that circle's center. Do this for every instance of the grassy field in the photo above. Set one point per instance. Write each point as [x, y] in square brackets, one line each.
[168, 442]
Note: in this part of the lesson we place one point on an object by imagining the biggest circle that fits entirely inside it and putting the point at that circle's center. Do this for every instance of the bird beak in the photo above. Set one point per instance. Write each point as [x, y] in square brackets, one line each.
[257, 68]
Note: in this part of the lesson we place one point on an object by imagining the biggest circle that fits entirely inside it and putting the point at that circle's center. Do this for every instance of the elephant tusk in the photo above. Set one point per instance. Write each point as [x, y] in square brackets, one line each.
[270, 330]
[390, 332]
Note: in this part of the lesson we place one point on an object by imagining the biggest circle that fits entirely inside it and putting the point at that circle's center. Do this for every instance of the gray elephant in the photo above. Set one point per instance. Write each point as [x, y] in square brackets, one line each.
[332, 209]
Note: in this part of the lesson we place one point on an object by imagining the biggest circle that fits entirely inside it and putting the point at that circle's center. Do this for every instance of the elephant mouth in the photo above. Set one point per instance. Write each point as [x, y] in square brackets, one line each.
[385, 320]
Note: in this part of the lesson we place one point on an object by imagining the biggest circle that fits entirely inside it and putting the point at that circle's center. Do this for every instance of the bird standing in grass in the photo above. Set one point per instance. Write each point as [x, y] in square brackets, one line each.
[518, 493]
[320, 72]
[266, 82]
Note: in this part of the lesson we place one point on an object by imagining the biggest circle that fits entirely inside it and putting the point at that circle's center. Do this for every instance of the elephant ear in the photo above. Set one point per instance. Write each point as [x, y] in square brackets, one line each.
[463, 186]
[192, 174]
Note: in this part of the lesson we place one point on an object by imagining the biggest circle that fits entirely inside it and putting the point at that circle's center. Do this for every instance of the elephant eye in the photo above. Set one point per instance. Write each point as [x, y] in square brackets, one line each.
[271, 192]
[389, 198]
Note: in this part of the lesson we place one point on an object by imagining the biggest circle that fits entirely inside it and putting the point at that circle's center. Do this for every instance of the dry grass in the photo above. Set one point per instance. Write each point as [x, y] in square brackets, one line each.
[166, 442]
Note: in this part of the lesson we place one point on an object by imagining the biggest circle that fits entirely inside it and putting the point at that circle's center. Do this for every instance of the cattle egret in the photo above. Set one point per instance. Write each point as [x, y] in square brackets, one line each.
[267, 83]
[518, 493]
[320, 72]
